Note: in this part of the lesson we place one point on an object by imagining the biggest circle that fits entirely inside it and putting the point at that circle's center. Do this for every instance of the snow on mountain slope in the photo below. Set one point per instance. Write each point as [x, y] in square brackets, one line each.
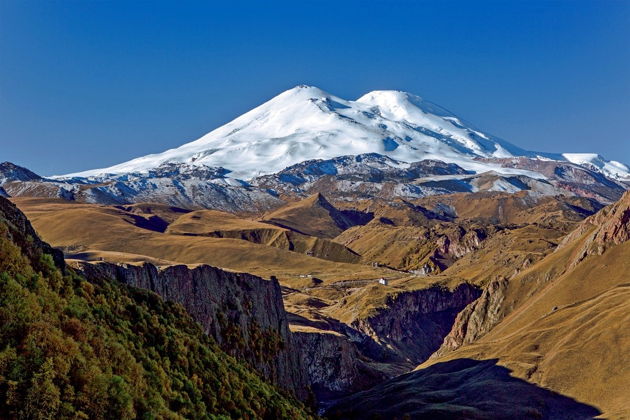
[307, 123]
[596, 162]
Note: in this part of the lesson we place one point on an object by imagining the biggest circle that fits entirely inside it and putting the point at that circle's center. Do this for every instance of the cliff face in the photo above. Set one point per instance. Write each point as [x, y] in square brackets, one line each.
[23, 234]
[344, 358]
[477, 318]
[242, 312]
[460, 243]
[413, 324]
[246, 316]
[334, 365]
[610, 226]
[73, 348]
[454, 245]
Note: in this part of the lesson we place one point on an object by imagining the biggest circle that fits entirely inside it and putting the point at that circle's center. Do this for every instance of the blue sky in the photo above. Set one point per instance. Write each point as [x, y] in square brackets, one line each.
[90, 84]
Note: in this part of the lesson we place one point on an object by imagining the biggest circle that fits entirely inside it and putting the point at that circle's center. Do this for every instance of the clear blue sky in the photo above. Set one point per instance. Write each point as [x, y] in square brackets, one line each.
[90, 84]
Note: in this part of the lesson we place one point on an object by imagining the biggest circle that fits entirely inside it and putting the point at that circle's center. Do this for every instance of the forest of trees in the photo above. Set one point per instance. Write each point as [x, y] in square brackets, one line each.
[75, 349]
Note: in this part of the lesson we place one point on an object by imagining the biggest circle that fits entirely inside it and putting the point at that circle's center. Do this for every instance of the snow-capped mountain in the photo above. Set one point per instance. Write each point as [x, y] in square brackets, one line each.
[374, 175]
[597, 162]
[306, 123]
[386, 144]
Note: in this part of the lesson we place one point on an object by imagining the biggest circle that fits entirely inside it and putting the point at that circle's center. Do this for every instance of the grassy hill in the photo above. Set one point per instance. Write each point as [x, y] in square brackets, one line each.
[556, 346]
[98, 231]
[71, 348]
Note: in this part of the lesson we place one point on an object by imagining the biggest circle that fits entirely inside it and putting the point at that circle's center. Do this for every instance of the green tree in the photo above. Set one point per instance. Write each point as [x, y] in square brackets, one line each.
[42, 401]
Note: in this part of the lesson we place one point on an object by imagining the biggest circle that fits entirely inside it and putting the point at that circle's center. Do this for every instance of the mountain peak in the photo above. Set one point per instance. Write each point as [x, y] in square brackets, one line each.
[307, 123]
[388, 94]
[304, 91]
[11, 172]
[319, 200]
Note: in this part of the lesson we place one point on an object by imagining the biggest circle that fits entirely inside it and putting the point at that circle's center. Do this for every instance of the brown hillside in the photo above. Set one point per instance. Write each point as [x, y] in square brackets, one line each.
[217, 224]
[413, 237]
[95, 229]
[555, 335]
[314, 216]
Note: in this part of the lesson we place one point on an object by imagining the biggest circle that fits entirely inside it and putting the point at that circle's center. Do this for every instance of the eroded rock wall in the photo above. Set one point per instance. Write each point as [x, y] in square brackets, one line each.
[244, 313]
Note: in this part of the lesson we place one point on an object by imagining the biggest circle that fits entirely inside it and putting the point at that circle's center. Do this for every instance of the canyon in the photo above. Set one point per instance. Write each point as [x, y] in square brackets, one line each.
[330, 329]
[375, 258]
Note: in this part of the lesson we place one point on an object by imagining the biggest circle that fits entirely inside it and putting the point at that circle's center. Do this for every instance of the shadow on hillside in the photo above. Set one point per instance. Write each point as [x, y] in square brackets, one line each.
[460, 389]
[153, 223]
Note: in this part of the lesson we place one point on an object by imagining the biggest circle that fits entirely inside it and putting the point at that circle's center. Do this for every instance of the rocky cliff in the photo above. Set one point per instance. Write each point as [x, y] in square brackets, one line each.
[73, 347]
[242, 312]
[341, 358]
[610, 226]
[412, 325]
[477, 318]
[334, 365]
[23, 234]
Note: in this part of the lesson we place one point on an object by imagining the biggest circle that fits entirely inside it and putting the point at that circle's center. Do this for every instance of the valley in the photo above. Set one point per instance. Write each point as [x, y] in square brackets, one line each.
[463, 276]
[315, 210]
[375, 258]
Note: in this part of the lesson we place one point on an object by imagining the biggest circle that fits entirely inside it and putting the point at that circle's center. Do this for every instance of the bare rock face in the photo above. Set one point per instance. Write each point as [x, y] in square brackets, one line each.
[242, 312]
[614, 223]
[412, 325]
[477, 318]
[342, 358]
[334, 366]
[610, 226]
[453, 246]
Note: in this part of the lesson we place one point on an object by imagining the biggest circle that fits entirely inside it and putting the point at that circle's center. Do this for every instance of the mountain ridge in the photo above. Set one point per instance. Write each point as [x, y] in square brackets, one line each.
[385, 145]
[306, 122]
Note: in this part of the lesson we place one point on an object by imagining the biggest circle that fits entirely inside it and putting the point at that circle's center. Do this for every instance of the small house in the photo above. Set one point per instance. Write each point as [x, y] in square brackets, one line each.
[383, 281]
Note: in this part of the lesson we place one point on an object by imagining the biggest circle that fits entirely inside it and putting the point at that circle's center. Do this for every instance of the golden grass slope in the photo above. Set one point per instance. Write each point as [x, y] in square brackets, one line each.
[313, 216]
[105, 229]
[488, 232]
[561, 349]
[219, 224]
[566, 326]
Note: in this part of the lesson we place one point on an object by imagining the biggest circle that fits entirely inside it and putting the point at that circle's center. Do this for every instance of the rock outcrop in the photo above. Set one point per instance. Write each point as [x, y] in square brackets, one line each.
[242, 312]
[610, 226]
[334, 366]
[342, 358]
[477, 318]
[412, 325]
[23, 234]
[454, 245]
